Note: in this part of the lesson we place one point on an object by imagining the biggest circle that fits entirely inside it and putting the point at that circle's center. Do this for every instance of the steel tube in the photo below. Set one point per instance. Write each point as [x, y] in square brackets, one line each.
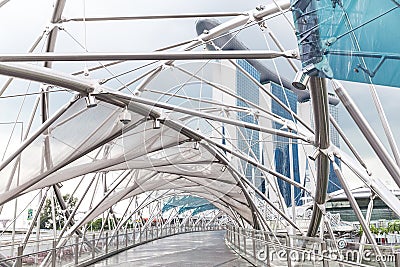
[368, 133]
[376, 185]
[42, 128]
[385, 124]
[164, 16]
[157, 55]
[319, 97]
[192, 112]
[46, 75]
[357, 211]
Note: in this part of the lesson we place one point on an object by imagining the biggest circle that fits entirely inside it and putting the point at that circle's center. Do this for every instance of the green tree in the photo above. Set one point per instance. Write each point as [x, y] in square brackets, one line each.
[96, 224]
[46, 217]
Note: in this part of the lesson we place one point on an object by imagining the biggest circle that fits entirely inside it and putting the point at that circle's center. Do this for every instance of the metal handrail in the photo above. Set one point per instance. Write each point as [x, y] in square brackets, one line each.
[108, 245]
[238, 239]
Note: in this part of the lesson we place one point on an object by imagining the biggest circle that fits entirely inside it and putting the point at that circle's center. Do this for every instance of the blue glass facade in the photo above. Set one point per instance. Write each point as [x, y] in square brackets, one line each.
[248, 140]
[334, 183]
[283, 164]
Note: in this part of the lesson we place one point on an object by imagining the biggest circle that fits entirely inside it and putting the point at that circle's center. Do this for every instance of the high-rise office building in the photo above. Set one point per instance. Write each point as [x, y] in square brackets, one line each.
[286, 154]
[307, 115]
[301, 99]
[248, 140]
[334, 183]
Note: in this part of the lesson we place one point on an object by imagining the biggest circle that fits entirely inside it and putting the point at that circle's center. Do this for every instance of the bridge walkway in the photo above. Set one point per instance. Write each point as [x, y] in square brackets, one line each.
[190, 249]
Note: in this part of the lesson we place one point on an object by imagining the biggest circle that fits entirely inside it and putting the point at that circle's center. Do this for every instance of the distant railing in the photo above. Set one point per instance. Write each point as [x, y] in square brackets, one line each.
[93, 247]
[266, 249]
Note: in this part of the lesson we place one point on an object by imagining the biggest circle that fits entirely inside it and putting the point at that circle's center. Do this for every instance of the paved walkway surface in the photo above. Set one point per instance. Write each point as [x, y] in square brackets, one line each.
[191, 249]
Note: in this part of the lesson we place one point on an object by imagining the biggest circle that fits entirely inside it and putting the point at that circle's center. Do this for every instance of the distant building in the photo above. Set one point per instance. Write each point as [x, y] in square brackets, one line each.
[303, 106]
[283, 164]
[305, 112]
[248, 140]
[334, 183]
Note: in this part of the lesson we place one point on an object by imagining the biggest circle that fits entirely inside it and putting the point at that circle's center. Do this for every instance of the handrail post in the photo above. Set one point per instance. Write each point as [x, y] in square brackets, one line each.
[234, 236]
[288, 250]
[244, 231]
[265, 235]
[324, 261]
[239, 238]
[126, 236]
[397, 260]
[53, 254]
[76, 250]
[18, 262]
[93, 247]
[106, 248]
[254, 243]
[117, 238]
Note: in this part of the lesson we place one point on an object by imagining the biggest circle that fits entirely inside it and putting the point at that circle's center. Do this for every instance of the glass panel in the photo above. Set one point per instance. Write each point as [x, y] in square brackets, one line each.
[356, 40]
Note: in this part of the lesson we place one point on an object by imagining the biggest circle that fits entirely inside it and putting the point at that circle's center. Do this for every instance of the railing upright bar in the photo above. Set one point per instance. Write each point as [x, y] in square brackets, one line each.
[76, 250]
[93, 247]
[254, 244]
[53, 253]
[126, 236]
[117, 239]
[106, 248]
[18, 262]
[244, 233]
[288, 246]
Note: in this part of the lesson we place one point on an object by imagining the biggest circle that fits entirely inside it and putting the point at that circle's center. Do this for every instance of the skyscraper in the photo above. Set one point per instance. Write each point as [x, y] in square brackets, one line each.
[284, 164]
[248, 140]
[334, 183]
[265, 75]
[307, 115]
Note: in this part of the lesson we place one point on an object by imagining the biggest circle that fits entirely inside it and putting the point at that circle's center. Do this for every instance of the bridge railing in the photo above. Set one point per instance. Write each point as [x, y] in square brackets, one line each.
[92, 247]
[266, 249]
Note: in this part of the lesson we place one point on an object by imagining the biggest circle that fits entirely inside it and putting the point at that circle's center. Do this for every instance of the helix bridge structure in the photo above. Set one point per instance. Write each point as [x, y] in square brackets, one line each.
[227, 123]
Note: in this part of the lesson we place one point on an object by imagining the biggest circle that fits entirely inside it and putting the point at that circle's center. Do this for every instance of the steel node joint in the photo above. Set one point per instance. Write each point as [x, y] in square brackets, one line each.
[294, 53]
[51, 26]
